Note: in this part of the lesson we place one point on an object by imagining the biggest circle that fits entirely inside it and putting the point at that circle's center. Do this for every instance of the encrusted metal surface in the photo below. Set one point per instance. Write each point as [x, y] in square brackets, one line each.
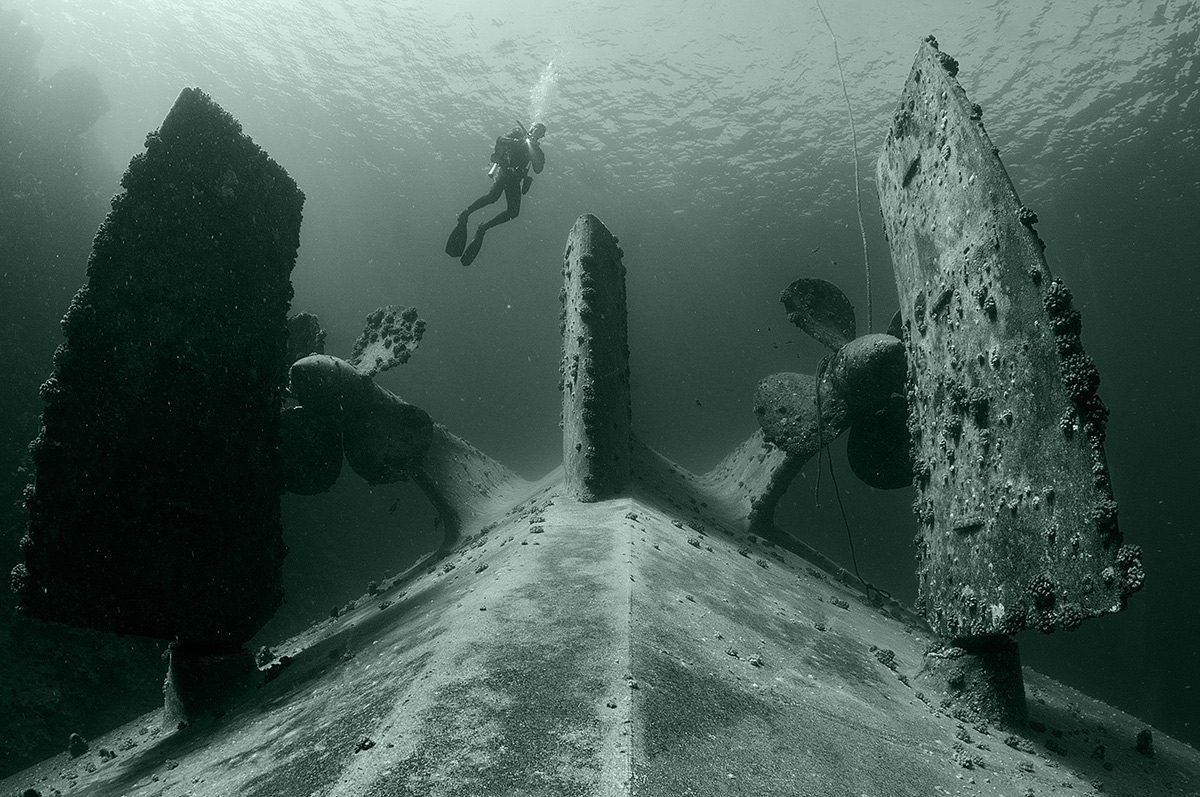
[1017, 523]
[595, 364]
[155, 509]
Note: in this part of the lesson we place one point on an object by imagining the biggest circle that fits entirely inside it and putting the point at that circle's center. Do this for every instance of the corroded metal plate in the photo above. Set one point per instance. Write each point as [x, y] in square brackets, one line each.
[1017, 523]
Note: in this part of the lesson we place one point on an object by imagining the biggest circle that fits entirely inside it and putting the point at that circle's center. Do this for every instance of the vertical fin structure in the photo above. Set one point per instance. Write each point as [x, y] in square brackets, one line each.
[595, 365]
[1017, 523]
[156, 509]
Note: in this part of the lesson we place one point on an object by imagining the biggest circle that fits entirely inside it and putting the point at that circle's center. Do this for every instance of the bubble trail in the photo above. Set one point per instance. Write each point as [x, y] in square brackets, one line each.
[542, 93]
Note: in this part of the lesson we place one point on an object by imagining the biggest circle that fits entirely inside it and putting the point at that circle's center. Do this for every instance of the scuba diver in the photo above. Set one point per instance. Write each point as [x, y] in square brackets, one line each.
[515, 152]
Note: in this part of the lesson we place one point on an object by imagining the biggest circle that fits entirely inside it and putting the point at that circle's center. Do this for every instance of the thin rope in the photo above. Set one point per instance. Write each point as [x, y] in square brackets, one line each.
[846, 522]
[821, 446]
[820, 428]
[862, 228]
[837, 493]
[871, 588]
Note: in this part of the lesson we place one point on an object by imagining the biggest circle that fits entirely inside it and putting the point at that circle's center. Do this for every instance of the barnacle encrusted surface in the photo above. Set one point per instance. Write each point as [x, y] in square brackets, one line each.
[305, 336]
[389, 338]
[1011, 498]
[156, 504]
[820, 309]
[786, 407]
[595, 363]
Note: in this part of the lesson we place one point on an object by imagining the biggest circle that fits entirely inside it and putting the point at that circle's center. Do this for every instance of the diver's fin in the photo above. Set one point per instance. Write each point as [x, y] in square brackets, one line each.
[458, 239]
[468, 257]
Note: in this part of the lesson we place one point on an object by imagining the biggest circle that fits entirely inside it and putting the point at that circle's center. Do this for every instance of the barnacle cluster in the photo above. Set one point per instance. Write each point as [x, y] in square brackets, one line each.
[1044, 621]
[978, 402]
[1104, 515]
[952, 425]
[1128, 554]
[1071, 616]
[1012, 622]
[1028, 218]
[1129, 559]
[1041, 591]
[886, 657]
[949, 63]
[1081, 381]
[922, 507]
[49, 389]
[389, 338]
[1057, 298]
[19, 581]
[1080, 378]
[1067, 324]
[77, 312]
[1066, 423]
[989, 307]
[958, 398]
[922, 471]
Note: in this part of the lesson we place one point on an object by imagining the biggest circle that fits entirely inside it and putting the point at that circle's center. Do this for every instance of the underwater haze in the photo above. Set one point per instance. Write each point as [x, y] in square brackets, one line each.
[713, 139]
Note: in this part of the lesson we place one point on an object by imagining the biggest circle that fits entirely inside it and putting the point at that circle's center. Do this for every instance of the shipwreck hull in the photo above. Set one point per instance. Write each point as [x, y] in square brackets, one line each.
[620, 647]
[657, 642]
[626, 627]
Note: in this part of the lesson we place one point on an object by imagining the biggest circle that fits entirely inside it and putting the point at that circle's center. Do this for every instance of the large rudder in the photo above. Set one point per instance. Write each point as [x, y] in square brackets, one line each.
[156, 506]
[1017, 519]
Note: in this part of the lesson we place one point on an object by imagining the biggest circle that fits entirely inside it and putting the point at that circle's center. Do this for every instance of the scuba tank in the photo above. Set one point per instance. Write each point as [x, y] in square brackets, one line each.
[494, 168]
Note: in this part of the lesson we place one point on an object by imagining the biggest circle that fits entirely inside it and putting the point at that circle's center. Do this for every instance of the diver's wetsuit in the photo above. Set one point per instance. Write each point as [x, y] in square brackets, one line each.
[507, 182]
[515, 152]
